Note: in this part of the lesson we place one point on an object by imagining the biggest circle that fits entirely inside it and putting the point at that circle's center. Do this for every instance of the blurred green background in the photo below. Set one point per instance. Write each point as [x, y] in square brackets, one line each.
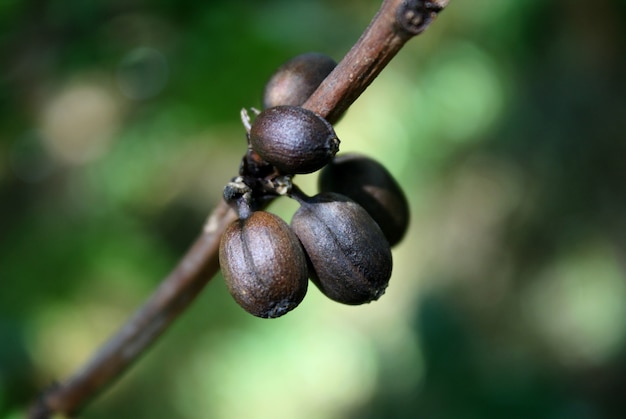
[504, 122]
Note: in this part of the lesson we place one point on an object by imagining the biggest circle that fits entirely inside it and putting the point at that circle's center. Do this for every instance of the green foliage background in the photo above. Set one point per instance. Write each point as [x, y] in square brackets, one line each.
[504, 122]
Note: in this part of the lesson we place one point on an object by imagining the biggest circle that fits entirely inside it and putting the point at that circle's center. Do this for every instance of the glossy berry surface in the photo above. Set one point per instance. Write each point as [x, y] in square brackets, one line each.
[264, 265]
[349, 256]
[294, 81]
[293, 139]
[370, 184]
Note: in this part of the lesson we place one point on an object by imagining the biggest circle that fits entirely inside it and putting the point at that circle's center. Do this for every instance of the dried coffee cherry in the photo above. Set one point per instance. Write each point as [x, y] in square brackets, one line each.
[264, 265]
[297, 79]
[370, 184]
[293, 139]
[350, 258]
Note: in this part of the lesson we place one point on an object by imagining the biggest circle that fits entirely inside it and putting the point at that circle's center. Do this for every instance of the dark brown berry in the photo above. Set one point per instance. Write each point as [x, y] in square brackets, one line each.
[293, 139]
[297, 79]
[349, 256]
[264, 265]
[370, 184]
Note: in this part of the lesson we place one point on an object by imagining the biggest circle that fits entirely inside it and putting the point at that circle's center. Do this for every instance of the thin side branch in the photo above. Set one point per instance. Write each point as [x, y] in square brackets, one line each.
[170, 299]
[395, 23]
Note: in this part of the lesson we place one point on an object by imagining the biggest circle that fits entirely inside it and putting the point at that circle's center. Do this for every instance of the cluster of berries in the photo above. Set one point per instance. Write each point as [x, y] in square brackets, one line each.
[340, 238]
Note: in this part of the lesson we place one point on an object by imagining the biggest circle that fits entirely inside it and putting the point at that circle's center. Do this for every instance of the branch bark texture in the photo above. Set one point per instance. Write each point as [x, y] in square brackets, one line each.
[395, 23]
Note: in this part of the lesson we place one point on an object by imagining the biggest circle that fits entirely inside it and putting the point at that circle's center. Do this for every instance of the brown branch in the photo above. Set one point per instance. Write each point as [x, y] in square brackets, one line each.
[395, 23]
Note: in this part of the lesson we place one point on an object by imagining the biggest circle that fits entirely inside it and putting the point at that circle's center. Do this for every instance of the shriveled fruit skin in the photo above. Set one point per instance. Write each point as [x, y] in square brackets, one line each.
[370, 184]
[264, 265]
[350, 259]
[294, 81]
[293, 139]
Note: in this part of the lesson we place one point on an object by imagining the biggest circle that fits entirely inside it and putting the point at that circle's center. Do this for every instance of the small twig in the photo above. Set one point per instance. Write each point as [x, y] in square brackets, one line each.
[394, 24]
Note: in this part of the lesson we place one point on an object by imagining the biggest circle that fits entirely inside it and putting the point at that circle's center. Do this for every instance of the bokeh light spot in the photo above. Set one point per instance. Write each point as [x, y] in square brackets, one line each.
[577, 306]
[280, 371]
[79, 122]
[463, 92]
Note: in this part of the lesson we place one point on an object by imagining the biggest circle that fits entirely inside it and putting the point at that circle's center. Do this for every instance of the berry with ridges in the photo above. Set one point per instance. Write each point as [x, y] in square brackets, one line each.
[350, 259]
[370, 184]
[263, 264]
